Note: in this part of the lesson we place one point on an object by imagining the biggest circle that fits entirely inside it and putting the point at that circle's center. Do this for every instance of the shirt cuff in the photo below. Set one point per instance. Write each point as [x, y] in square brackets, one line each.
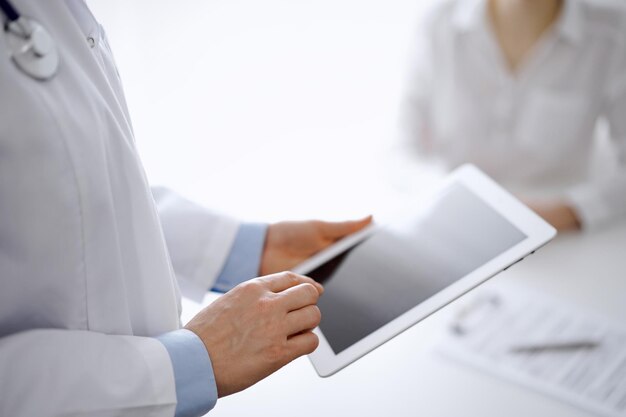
[589, 208]
[244, 259]
[196, 390]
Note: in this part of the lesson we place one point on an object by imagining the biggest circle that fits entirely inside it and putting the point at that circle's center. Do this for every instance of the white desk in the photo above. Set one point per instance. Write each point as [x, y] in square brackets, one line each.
[405, 378]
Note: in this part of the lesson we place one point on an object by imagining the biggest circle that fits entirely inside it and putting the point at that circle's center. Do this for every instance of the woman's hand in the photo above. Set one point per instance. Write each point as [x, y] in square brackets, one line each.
[558, 214]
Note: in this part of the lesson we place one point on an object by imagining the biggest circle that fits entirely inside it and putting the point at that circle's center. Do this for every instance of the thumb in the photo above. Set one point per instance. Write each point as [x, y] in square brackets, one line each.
[337, 230]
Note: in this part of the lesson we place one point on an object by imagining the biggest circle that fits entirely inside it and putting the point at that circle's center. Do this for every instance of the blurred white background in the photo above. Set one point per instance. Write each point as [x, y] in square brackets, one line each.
[267, 109]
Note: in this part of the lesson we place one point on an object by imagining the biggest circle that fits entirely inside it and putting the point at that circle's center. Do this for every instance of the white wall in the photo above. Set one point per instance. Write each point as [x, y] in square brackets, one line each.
[268, 108]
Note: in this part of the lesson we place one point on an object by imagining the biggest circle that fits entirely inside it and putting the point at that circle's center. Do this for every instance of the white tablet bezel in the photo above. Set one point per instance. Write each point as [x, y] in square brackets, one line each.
[326, 362]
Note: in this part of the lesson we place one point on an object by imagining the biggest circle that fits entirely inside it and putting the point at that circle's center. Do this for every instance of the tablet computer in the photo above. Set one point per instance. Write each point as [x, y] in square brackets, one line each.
[384, 279]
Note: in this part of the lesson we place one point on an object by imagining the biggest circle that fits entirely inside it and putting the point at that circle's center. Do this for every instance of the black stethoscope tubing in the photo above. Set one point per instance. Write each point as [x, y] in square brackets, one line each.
[9, 11]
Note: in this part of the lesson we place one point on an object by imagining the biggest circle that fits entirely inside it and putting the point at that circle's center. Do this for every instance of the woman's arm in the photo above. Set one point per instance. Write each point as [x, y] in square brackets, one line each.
[603, 201]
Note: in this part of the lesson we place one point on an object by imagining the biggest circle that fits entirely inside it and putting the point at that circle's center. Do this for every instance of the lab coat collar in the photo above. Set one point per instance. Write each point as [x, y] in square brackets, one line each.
[471, 15]
[570, 25]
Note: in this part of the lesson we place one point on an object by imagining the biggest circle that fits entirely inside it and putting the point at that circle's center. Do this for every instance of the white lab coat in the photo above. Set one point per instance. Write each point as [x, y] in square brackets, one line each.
[86, 281]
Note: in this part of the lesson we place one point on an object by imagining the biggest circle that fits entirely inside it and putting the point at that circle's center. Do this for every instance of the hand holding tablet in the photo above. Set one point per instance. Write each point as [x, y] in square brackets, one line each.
[382, 280]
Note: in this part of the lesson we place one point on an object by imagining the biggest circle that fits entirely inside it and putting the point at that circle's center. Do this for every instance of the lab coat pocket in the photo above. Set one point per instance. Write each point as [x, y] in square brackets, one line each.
[550, 124]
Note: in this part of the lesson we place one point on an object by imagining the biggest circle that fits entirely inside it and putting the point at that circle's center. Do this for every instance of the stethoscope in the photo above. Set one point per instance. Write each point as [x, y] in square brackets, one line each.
[31, 47]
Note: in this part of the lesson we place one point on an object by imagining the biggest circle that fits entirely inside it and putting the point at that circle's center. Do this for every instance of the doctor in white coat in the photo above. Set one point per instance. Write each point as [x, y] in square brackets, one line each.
[91, 258]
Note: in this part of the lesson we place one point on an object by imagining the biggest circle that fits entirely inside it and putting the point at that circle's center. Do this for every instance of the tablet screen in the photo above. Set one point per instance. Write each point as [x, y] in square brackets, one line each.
[400, 266]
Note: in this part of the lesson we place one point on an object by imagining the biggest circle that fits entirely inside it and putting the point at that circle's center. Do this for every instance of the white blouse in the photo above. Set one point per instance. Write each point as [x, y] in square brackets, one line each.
[536, 125]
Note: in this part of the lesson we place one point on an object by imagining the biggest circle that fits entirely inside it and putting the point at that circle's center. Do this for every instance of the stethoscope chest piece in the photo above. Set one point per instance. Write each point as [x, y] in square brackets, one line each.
[32, 49]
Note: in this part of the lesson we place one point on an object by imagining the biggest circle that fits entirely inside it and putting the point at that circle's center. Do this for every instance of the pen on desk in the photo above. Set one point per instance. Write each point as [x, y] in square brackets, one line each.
[556, 347]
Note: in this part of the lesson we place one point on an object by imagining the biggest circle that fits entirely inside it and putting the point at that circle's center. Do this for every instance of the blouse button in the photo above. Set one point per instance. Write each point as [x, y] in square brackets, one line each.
[91, 41]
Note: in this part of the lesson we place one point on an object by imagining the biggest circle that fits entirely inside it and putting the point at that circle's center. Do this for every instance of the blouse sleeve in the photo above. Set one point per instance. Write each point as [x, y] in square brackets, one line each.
[603, 201]
[415, 106]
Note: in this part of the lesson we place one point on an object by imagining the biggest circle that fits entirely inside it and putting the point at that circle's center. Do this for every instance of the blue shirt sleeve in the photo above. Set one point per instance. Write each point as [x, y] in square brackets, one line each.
[245, 257]
[196, 390]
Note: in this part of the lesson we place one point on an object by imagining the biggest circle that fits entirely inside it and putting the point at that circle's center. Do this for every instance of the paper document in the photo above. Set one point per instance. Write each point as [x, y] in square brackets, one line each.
[542, 343]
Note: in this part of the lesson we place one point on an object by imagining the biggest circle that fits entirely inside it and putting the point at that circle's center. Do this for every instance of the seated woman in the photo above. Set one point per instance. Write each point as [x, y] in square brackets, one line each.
[516, 87]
